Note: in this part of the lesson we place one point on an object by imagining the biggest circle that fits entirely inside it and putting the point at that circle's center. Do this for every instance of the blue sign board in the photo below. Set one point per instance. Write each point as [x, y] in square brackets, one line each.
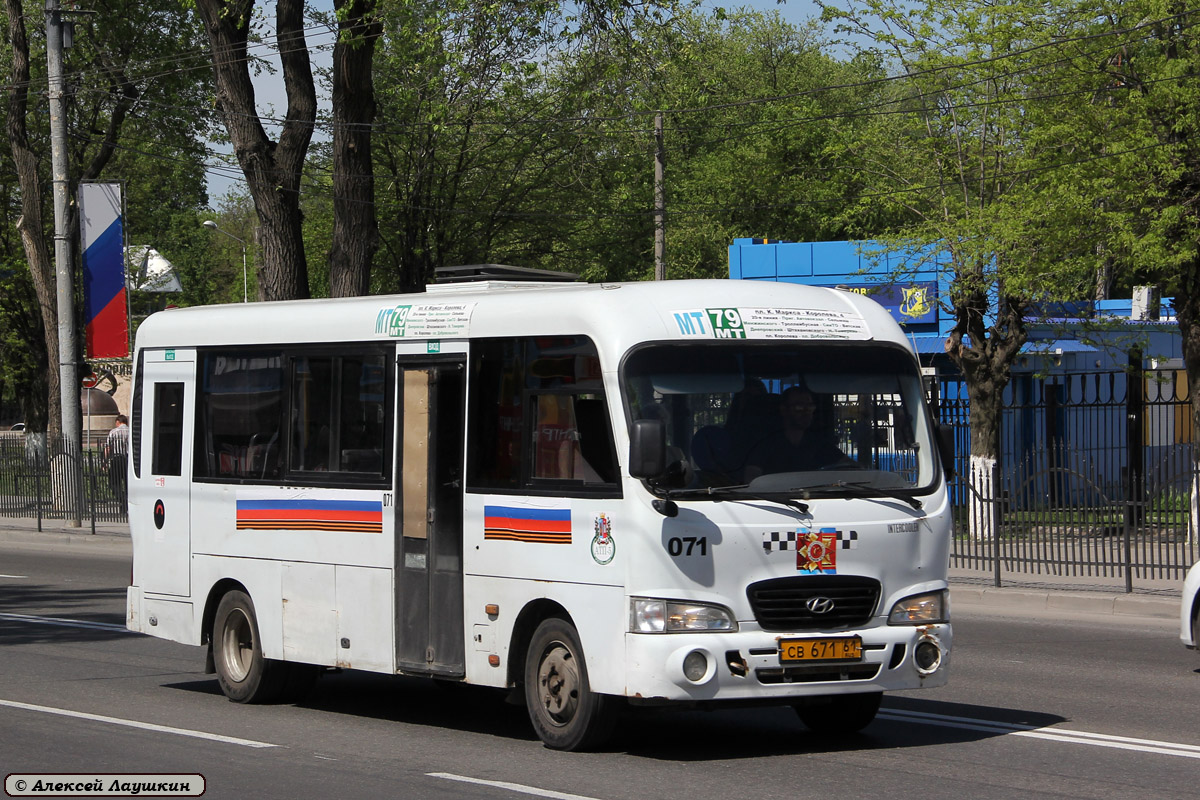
[911, 303]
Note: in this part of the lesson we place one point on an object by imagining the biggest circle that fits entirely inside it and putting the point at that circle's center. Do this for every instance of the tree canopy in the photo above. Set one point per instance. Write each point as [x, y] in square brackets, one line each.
[1038, 151]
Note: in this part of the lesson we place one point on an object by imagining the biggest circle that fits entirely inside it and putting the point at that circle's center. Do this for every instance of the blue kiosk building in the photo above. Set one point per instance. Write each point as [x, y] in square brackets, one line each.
[1097, 411]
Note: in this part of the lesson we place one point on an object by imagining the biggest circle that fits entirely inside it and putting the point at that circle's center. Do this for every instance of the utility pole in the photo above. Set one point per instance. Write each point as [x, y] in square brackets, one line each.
[660, 203]
[68, 364]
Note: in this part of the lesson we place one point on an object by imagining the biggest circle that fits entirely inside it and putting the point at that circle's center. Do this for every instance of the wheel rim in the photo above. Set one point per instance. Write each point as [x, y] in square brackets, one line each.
[237, 645]
[558, 684]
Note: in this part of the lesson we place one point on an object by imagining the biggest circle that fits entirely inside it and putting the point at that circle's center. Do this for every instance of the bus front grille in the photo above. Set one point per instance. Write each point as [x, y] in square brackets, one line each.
[813, 602]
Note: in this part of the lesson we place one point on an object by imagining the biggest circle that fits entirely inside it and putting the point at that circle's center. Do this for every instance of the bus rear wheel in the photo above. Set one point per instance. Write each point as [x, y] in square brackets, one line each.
[840, 714]
[244, 674]
[566, 713]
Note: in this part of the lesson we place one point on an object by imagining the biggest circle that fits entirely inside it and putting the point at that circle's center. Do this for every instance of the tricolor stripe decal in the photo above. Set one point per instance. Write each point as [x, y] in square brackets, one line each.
[357, 516]
[544, 525]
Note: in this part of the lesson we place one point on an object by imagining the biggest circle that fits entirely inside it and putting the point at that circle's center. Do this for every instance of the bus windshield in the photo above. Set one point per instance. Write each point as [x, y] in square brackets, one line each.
[796, 417]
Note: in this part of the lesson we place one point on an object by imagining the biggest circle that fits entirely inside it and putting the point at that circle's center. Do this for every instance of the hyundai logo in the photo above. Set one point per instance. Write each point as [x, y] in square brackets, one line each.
[819, 605]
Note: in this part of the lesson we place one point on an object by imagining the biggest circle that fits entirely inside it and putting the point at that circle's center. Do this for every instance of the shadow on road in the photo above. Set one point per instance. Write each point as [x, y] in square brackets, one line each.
[404, 700]
[660, 734]
[55, 602]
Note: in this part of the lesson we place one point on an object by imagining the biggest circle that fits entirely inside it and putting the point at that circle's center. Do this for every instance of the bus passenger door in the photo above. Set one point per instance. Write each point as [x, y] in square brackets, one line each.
[163, 499]
[429, 539]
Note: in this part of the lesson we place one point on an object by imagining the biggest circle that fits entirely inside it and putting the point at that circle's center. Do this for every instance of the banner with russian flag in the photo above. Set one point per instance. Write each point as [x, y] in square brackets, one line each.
[310, 514]
[102, 239]
[524, 524]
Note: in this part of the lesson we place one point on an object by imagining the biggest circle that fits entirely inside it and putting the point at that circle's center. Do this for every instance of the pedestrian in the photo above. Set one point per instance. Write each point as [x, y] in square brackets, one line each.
[116, 450]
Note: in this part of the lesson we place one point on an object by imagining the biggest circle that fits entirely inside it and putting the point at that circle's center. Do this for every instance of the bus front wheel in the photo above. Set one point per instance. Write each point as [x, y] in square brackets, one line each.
[566, 713]
[840, 714]
[244, 674]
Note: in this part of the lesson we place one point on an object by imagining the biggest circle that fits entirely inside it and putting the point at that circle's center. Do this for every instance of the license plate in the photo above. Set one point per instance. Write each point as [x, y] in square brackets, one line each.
[843, 648]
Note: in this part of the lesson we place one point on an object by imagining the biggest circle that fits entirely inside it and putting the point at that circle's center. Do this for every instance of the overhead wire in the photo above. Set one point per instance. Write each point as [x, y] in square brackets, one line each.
[853, 85]
[776, 125]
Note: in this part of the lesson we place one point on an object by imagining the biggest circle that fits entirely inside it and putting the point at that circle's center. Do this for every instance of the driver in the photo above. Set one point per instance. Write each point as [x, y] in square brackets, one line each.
[801, 447]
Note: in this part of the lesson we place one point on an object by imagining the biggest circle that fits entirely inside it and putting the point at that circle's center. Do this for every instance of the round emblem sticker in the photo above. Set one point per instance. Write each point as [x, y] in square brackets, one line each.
[160, 514]
[603, 546]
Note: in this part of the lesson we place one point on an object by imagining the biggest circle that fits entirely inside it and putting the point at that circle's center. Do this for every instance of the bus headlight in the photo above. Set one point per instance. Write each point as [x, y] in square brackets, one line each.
[920, 609]
[651, 615]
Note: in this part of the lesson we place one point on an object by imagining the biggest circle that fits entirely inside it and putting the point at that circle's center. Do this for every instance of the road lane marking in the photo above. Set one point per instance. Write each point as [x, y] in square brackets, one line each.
[129, 723]
[512, 787]
[14, 576]
[1053, 734]
[66, 623]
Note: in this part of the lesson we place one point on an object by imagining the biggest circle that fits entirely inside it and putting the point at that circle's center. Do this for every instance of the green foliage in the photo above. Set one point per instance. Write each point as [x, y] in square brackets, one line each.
[1042, 151]
[136, 112]
[467, 137]
[212, 269]
[23, 359]
[521, 135]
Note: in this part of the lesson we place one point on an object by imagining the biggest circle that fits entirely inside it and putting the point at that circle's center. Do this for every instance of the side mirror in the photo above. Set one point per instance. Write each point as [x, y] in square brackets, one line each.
[945, 443]
[647, 449]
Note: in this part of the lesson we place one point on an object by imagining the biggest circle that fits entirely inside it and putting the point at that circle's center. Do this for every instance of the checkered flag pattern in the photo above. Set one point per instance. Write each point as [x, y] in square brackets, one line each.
[848, 540]
[774, 541]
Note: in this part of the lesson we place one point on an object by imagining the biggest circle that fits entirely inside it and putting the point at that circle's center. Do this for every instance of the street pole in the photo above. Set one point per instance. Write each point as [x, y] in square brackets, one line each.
[68, 365]
[208, 223]
[660, 203]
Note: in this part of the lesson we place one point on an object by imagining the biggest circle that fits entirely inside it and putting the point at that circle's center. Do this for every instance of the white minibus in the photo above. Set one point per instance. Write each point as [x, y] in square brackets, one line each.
[595, 496]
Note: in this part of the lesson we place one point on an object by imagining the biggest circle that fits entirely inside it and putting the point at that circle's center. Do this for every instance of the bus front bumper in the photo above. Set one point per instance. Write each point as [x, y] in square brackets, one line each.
[748, 665]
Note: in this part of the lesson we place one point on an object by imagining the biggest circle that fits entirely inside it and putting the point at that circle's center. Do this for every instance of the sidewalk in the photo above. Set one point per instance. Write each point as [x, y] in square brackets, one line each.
[1151, 597]
[1091, 594]
[16, 529]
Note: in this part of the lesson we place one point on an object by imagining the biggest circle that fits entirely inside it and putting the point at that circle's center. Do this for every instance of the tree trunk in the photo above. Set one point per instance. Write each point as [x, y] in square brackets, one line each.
[984, 354]
[355, 229]
[984, 503]
[31, 224]
[272, 169]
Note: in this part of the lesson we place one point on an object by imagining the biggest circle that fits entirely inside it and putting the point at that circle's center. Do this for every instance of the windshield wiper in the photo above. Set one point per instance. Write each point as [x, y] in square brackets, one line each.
[736, 492]
[861, 489]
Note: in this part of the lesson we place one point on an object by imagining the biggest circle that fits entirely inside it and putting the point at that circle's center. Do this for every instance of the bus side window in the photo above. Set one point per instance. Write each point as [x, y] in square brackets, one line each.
[554, 439]
[339, 408]
[239, 415]
[595, 438]
[495, 417]
[571, 440]
[538, 420]
[167, 456]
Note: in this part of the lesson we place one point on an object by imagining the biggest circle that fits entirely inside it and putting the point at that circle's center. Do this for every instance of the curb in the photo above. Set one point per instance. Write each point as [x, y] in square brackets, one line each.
[57, 535]
[1050, 601]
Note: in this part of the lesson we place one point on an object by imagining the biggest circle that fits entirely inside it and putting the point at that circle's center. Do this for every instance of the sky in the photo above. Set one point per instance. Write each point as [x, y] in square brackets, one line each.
[272, 102]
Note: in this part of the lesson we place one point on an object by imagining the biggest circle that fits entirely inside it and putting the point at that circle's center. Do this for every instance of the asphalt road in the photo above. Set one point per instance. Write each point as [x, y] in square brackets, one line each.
[1082, 707]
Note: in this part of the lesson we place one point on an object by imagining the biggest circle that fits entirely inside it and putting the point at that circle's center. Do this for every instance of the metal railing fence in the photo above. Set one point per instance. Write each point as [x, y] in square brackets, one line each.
[1094, 478]
[52, 480]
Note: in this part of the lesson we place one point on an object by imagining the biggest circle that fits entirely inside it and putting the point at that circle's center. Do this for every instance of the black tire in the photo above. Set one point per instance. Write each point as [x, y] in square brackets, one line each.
[244, 674]
[840, 714]
[1196, 625]
[565, 712]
